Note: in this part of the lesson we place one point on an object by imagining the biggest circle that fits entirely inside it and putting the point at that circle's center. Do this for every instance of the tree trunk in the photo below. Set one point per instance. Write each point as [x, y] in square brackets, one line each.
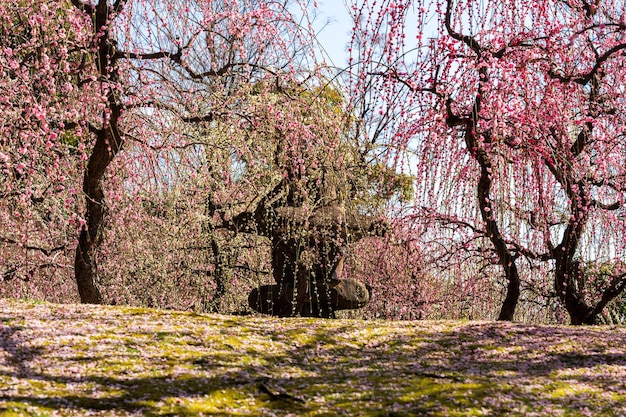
[568, 276]
[108, 143]
[221, 273]
[483, 194]
[85, 265]
[580, 311]
[512, 297]
[567, 273]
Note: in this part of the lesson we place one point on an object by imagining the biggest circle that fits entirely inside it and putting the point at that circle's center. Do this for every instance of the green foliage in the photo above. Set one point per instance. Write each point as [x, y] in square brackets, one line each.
[71, 140]
[355, 178]
[598, 275]
[390, 183]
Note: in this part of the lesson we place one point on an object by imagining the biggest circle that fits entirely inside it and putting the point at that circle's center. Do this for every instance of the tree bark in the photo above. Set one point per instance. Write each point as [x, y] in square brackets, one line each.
[108, 143]
[85, 263]
[478, 151]
[505, 258]
[483, 194]
[221, 275]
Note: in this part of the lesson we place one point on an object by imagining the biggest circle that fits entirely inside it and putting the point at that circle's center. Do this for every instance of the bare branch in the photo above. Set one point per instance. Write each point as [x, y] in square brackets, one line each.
[119, 5]
[45, 251]
[392, 73]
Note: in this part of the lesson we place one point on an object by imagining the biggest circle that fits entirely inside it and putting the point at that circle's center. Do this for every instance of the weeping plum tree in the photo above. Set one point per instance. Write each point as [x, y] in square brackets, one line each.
[119, 76]
[186, 59]
[515, 118]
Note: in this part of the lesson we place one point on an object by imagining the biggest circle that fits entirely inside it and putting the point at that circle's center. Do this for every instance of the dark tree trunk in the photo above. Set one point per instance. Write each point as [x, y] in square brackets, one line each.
[85, 265]
[108, 143]
[569, 282]
[478, 144]
[570, 286]
[512, 295]
[221, 273]
[505, 258]
[483, 194]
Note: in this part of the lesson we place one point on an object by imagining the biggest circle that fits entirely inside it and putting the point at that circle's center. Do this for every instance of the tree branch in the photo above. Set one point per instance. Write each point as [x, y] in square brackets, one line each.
[615, 288]
[45, 251]
[85, 7]
[119, 5]
[582, 139]
[586, 78]
[467, 40]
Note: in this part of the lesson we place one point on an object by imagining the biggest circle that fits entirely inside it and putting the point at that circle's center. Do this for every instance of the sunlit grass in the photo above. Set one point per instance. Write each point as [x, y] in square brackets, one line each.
[106, 361]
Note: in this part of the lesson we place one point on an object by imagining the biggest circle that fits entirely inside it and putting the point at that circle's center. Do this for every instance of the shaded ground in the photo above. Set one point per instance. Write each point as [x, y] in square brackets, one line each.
[94, 360]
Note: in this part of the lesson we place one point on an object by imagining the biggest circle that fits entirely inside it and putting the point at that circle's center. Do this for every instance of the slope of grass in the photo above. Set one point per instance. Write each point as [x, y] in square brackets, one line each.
[107, 361]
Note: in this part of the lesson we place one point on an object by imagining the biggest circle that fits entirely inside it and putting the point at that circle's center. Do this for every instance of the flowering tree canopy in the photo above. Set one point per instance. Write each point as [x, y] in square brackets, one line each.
[515, 119]
[151, 95]
[147, 137]
[119, 75]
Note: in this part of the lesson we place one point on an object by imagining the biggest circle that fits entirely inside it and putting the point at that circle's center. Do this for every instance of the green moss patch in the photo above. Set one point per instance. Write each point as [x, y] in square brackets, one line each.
[76, 360]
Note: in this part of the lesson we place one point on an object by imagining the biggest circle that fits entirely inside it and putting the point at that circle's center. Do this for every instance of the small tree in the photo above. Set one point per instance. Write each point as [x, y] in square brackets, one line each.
[295, 153]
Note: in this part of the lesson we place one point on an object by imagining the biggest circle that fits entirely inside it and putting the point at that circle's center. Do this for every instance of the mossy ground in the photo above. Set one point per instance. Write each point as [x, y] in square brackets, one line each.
[113, 361]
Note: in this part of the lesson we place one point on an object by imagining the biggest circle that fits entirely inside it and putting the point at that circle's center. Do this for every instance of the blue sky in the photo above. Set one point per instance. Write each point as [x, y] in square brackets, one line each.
[336, 34]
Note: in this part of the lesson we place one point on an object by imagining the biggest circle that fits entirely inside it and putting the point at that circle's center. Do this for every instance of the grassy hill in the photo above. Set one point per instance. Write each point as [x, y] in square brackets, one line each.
[113, 361]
